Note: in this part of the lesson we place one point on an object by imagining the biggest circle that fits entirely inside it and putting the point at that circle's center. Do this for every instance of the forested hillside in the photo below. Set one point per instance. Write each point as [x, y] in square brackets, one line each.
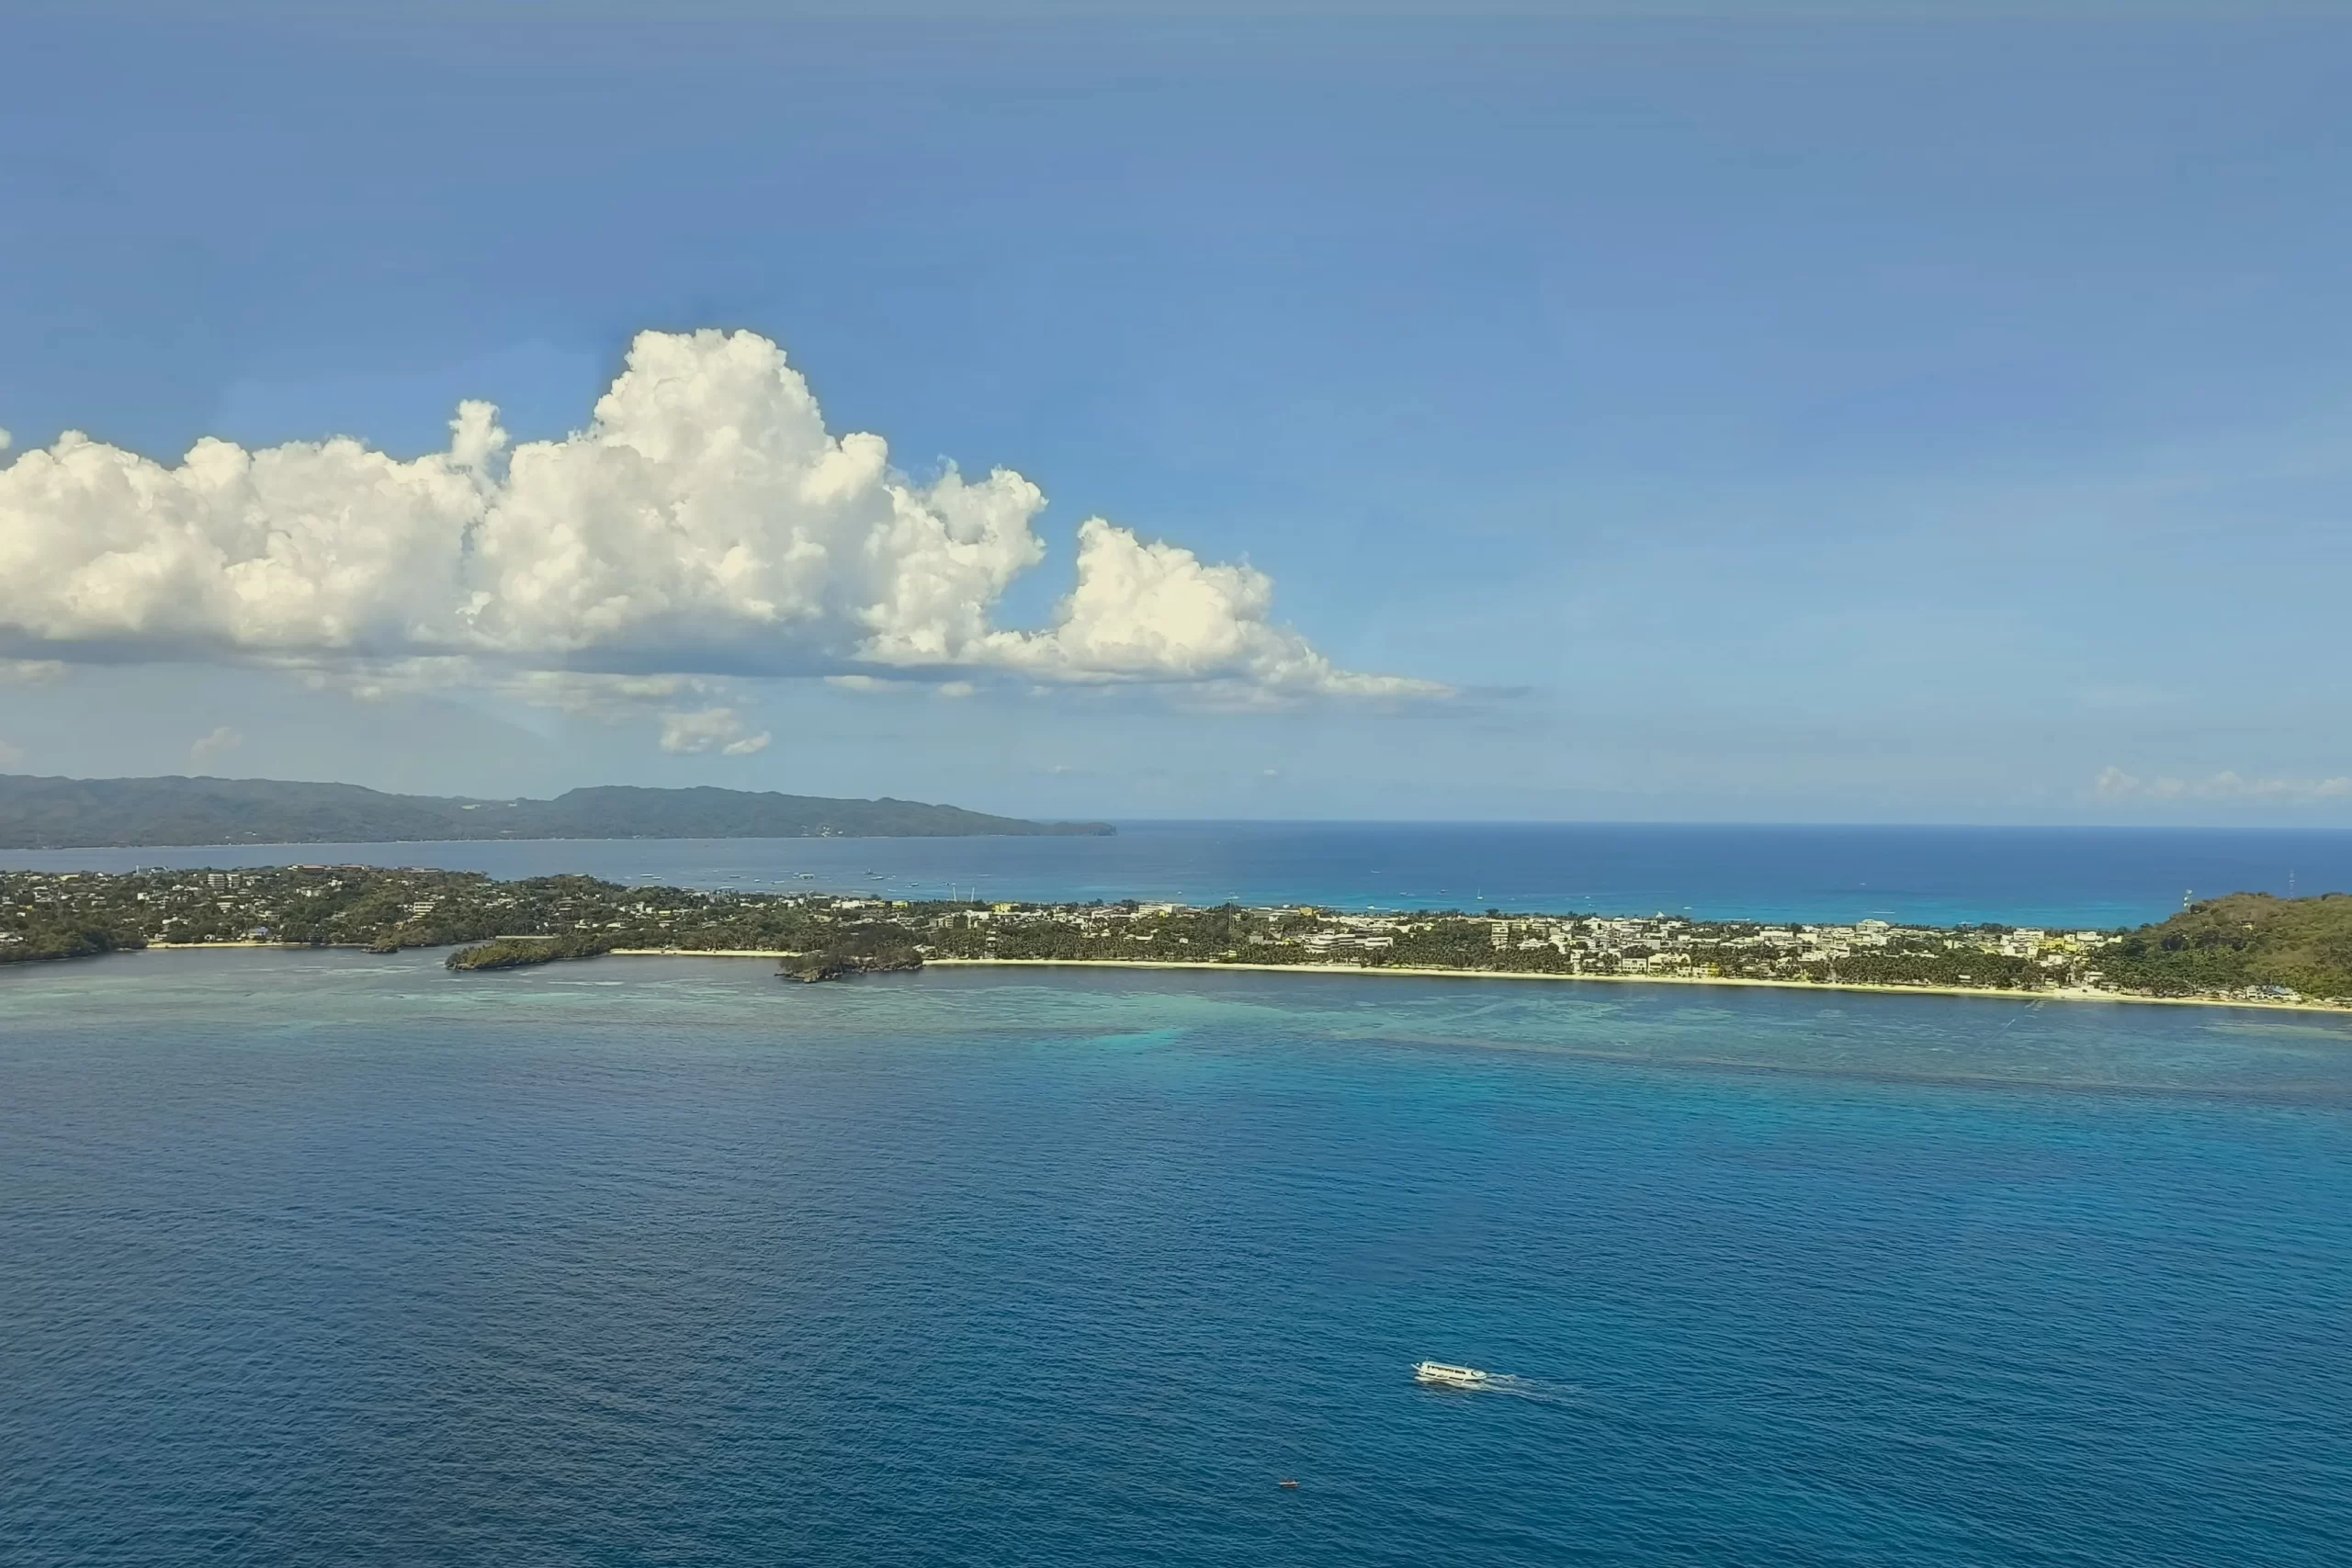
[52, 813]
[2244, 941]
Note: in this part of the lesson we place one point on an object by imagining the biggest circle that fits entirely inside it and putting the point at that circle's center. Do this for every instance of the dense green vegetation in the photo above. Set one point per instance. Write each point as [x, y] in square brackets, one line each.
[51, 813]
[48, 914]
[521, 952]
[837, 963]
[2246, 941]
[71, 938]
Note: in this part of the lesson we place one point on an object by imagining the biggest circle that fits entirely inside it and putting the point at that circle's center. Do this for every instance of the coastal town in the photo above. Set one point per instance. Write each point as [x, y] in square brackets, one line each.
[815, 935]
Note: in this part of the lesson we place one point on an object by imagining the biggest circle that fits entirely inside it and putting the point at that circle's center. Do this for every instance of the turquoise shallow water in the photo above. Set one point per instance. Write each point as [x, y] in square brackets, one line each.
[2048, 876]
[325, 1258]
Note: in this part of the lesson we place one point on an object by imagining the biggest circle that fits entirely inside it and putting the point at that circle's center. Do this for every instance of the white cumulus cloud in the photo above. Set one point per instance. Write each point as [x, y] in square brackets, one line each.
[705, 522]
[213, 744]
[1145, 611]
[711, 729]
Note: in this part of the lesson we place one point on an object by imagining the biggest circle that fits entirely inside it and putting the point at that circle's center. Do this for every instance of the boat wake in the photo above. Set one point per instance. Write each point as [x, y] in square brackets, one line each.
[1538, 1391]
[1472, 1380]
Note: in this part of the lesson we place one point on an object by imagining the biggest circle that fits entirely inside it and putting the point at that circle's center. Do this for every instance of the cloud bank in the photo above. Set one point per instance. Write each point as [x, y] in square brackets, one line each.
[2115, 784]
[705, 522]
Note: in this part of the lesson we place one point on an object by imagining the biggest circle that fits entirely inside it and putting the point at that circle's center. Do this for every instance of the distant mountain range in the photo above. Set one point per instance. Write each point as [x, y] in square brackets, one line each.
[55, 814]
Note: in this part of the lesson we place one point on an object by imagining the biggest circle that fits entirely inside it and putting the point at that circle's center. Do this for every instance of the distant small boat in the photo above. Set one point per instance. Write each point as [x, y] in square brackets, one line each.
[1437, 1374]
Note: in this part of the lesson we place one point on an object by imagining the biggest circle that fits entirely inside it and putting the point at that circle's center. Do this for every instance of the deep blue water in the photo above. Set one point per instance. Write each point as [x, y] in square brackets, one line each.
[2049, 876]
[335, 1259]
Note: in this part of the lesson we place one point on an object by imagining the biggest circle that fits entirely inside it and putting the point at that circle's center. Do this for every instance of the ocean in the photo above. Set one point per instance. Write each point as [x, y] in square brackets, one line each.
[2038, 877]
[330, 1259]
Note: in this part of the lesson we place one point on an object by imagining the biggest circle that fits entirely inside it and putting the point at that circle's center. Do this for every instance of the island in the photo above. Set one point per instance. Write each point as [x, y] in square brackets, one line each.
[56, 813]
[2246, 948]
[518, 952]
[842, 959]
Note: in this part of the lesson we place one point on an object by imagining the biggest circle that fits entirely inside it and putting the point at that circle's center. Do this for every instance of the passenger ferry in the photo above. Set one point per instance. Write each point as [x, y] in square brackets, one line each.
[1437, 1374]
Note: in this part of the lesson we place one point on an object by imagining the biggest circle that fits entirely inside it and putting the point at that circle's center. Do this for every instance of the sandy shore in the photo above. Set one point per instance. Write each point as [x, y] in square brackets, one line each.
[770, 954]
[1352, 969]
[2333, 1008]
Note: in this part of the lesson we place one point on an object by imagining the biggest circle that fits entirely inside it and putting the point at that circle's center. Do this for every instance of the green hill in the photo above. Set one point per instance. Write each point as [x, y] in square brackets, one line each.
[2246, 941]
[50, 813]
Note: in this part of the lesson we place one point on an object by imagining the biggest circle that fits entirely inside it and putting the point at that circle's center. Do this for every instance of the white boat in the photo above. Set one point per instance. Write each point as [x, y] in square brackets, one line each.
[1437, 1374]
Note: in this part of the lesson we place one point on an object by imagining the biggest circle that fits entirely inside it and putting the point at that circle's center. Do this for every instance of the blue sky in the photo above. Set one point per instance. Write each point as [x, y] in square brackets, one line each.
[1764, 415]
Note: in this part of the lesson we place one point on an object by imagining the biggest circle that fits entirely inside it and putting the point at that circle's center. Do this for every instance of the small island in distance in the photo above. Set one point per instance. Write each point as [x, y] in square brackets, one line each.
[72, 814]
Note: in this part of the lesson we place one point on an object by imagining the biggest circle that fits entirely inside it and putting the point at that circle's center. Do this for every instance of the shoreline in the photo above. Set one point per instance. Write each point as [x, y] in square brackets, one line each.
[2331, 1009]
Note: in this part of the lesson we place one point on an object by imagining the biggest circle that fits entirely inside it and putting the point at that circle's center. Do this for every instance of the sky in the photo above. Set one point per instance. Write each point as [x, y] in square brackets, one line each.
[1578, 413]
